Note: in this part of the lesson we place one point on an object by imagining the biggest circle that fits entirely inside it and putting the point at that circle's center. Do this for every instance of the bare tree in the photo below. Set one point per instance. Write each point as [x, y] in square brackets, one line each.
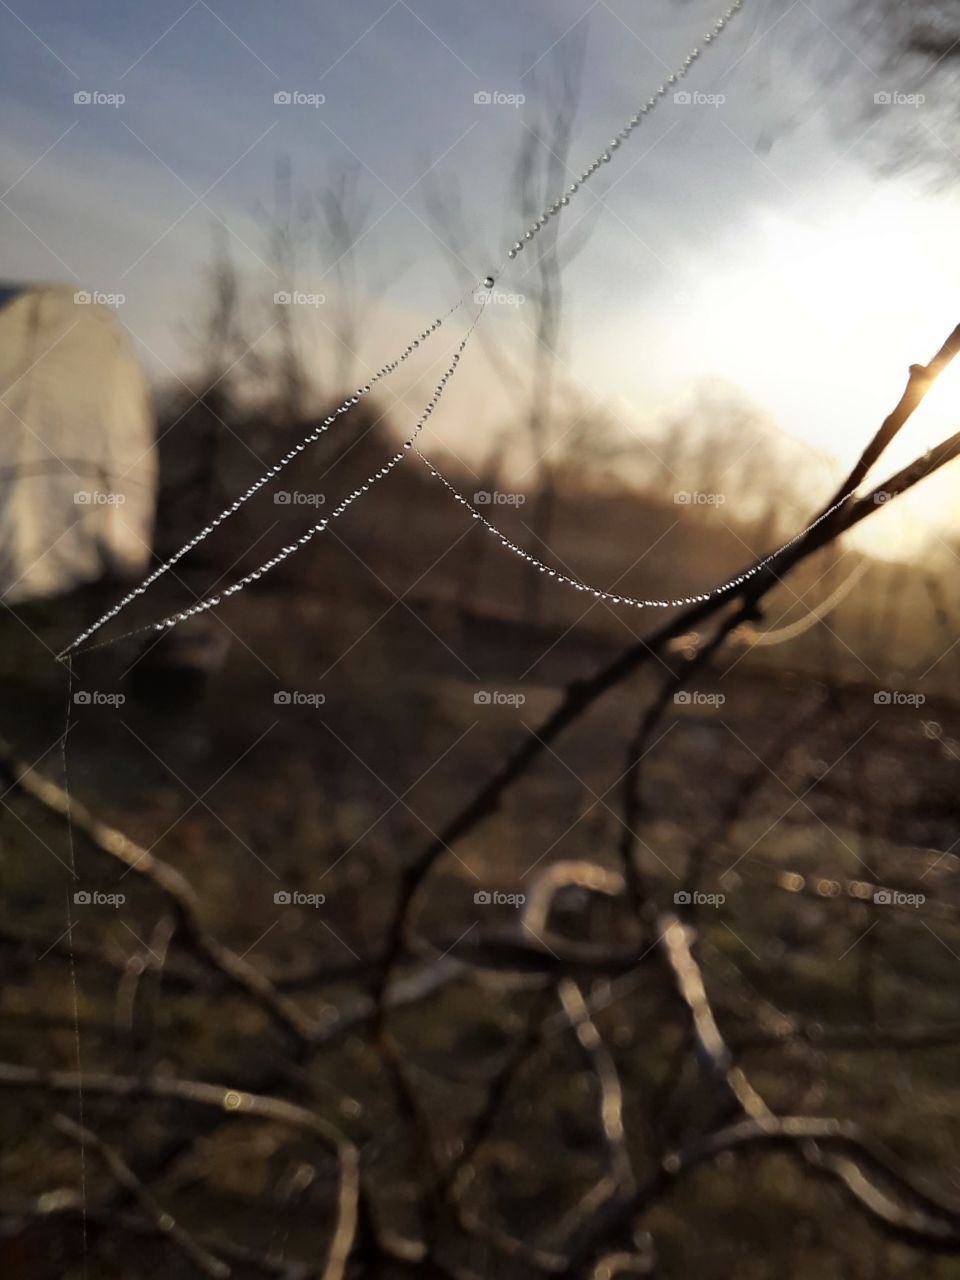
[344, 218]
[284, 233]
[542, 170]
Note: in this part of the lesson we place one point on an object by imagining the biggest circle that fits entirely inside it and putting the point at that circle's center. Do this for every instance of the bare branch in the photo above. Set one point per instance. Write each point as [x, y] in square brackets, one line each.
[165, 1223]
[582, 694]
[175, 888]
[222, 1098]
[611, 1091]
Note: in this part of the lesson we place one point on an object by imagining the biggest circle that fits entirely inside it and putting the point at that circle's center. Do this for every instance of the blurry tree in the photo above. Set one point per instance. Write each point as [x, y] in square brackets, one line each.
[194, 417]
[317, 232]
[284, 234]
[344, 218]
[222, 347]
[928, 28]
[475, 551]
[717, 444]
[590, 443]
[846, 58]
[541, 172]
[222, 338]
[532, 372]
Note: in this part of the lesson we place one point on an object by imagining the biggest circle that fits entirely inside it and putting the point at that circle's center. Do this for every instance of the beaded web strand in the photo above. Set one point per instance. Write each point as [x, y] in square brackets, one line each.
[311, 438]
[614, 598]
[386, 371]
[211, 601]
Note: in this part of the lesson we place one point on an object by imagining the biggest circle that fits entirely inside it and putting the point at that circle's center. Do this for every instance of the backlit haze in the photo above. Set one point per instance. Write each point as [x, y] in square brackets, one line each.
[762, 234]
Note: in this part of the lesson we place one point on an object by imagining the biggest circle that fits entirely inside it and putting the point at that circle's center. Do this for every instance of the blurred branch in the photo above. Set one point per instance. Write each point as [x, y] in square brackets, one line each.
[138, 988]
[230, 1101]
[165, 1223]
[871, 1176]
[175, 888]
[608, 1079]
[65, 1202]
[582, 694]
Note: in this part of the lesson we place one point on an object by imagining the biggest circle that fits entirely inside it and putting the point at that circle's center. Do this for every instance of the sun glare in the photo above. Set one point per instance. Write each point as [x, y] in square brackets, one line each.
[821, 327]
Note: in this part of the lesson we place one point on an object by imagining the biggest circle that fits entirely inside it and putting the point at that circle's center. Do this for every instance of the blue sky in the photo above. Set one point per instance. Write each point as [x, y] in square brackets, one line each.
[683, 276]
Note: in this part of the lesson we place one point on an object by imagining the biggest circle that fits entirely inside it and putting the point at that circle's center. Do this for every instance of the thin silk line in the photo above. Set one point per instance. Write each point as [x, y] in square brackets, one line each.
[211, 601]
[68, 814]
[624, 133]
[311, 438]
[619, 598]
[487, 283]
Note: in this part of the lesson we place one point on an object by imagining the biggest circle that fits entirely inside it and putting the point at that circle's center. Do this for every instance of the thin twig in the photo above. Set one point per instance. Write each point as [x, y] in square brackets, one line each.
[165, 1223]
[172, 884]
